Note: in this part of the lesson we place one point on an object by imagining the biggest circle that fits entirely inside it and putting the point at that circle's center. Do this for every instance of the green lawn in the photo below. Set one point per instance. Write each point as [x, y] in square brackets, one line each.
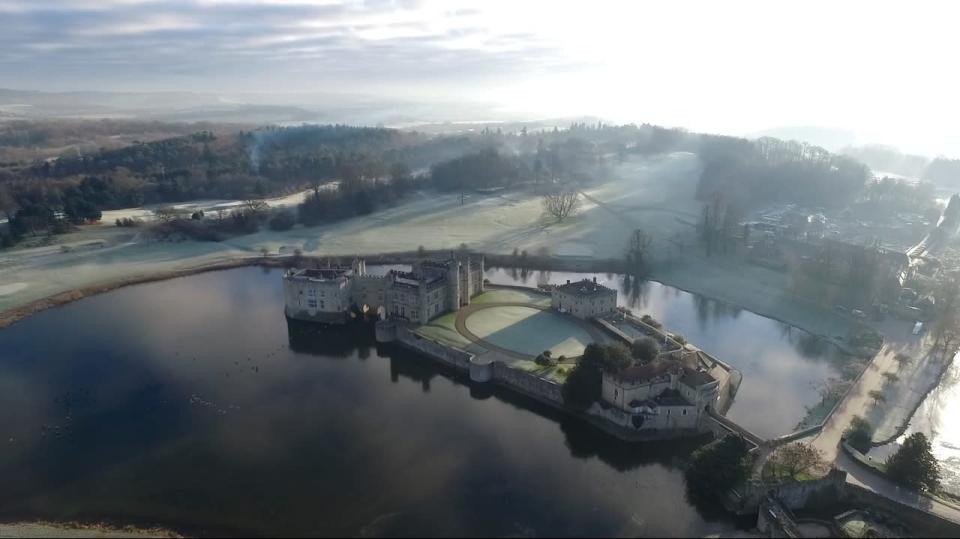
[443, 329]
[510, 295]
[529, 331]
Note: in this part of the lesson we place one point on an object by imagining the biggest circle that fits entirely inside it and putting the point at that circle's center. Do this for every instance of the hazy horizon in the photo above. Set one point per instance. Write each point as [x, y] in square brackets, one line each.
[877, 72]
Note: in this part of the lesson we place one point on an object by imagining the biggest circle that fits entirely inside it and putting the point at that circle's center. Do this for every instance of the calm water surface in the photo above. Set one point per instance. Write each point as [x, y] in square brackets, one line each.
[937, 419]
[191, 403]
[783, 367]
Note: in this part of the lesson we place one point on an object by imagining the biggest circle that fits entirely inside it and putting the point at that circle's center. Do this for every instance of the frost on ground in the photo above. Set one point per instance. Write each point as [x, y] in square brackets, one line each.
[655, 194]
[7, 289]
[145, 213]
[496, 223]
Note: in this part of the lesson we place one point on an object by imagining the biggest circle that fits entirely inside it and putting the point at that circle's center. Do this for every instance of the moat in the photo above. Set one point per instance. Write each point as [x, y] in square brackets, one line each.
[191, 403]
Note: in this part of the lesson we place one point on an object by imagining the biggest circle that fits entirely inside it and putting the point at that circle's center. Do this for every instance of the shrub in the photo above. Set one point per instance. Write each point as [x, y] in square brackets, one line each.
[645, 349]
[128, 222]
[717, 467]
[860, 434]
[651, 321]
[607, 358]
[544, 360]
[679, 338]
[282, 221]
[582, 386]
[182, 229]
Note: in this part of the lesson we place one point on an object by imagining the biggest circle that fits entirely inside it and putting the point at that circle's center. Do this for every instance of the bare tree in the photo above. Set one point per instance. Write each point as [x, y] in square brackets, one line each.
[795, 459]
[947, 317]
[902, 360]
[561, 204]
[637, 251]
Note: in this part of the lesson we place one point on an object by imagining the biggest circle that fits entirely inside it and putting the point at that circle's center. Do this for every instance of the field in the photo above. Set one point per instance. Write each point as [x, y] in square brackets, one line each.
[492, 223]
[655, 194]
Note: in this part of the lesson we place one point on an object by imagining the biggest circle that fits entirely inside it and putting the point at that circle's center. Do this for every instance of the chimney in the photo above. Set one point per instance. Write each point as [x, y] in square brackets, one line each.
[594, 279]
[568, 281]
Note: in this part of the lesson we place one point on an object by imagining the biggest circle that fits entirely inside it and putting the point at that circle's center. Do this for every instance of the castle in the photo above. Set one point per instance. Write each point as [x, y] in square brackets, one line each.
[663, 394]
[584, 299]
[430, 289]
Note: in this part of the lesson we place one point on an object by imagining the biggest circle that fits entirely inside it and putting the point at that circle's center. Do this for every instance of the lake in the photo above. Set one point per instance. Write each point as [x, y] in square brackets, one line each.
[191, 403]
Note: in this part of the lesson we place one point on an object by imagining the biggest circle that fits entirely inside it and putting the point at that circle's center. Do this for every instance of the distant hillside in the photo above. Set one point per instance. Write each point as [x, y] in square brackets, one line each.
[308, 107]
[827, 138]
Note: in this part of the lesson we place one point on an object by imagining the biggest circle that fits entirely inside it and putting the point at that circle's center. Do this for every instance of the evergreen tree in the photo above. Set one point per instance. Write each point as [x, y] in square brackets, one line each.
[913, 465]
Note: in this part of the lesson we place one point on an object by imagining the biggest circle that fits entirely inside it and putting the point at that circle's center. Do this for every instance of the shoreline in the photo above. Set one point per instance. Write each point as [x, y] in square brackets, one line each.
[16, 314]
[902, 428]
[43, 528]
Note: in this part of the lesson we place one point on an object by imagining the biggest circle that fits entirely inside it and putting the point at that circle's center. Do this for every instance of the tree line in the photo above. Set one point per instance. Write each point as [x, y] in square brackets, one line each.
[375, 167]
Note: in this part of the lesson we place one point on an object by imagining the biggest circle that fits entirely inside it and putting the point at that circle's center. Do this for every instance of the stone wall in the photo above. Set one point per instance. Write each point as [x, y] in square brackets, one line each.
[921, 522]
[794, 495]
[528, 383]
[449, 355]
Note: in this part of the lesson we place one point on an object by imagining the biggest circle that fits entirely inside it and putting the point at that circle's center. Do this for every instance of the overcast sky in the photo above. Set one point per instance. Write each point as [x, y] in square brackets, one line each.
[887, 71]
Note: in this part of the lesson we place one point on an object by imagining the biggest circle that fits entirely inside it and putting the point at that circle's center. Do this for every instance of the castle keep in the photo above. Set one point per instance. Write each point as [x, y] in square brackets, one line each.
[430, 289]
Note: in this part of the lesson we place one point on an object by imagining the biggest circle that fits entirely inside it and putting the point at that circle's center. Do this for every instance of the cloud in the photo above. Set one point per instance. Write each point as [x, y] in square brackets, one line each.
[157, 42]
[737, 66]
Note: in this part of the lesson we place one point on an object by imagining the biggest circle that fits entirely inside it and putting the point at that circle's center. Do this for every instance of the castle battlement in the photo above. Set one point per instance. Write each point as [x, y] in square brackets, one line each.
[430, 289]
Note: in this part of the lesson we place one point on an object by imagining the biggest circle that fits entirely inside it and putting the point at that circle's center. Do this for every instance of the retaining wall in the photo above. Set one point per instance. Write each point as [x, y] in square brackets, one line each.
[794, 495]
[920, 521]
[528, 383]
[449, 355]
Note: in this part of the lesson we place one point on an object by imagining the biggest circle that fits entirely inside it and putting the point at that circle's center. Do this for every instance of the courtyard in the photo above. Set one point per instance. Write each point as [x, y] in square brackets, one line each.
[506, 322]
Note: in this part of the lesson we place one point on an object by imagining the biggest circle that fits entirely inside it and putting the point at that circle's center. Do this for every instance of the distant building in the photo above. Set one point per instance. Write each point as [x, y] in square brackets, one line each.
[584, 299]
[663, 394]
[431, 288]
